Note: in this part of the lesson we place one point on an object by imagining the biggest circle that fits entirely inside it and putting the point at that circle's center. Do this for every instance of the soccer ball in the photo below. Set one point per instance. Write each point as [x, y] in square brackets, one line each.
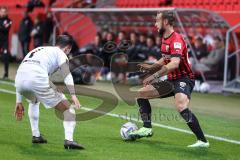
[126, 128]
[204, 87]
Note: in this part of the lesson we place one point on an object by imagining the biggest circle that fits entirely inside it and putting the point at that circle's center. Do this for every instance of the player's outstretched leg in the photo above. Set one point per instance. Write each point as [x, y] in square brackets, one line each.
[145, 111]
[181, 102]
[69, 124]
[33, 114]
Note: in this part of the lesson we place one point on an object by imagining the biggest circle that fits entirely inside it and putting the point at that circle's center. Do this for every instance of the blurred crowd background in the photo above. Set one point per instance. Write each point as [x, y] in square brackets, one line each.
[36, 29]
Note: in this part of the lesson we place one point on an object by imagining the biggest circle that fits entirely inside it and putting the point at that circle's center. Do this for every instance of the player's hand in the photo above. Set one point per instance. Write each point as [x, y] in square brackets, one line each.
[76, 101]
[148, 80]
[144, 67]
[19, 111]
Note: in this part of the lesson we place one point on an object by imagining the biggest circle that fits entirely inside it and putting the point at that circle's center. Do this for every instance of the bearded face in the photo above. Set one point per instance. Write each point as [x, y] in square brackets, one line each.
[159, 24]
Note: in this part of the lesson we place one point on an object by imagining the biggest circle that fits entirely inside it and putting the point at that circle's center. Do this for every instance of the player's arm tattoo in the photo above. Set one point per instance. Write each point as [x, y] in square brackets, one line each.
[163, 71]
[153, 68]
[71, 89]
[157, 66]
[168, 68]
[68, 79]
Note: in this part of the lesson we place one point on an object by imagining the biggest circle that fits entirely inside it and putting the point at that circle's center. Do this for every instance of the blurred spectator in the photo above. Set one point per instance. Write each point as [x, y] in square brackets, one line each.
[133, 49]
[106, 55]
[138, 51]
[104, 36]
[158, 41]
[24, 32]
[200, 48]
[5, 25]
[38, 32]
[48, 27]
[152, 50]
[121, 36]
[98, 46]
[34, 3]
[215, 57]
[208, 39]
[142, 39]
[94, 48]
[110, 36]
[133, 38]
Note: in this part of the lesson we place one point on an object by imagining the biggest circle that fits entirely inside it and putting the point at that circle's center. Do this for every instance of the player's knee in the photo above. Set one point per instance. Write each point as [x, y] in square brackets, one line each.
[141, 94]
[69, 114]
[181, 104]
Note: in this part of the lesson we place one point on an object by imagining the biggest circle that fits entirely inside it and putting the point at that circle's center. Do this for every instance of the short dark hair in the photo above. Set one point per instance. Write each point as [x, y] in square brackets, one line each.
[64, 40]
[169, 15]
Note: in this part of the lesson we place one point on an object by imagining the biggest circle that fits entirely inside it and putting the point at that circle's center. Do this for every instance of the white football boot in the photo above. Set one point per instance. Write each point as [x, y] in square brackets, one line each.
[199, 144]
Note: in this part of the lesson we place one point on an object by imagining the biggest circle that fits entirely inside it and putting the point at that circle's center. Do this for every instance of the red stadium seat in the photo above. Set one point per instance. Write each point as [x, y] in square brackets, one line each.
[192, 3]
[236, 7]
[119, 3]
[187, 3]
[199, 4]
[150, 3]
[122, 3]
[176, 3]
[228, 5]
[181, 3]
[235, 2]
[131, 4]
[154, 3]
[206, 3]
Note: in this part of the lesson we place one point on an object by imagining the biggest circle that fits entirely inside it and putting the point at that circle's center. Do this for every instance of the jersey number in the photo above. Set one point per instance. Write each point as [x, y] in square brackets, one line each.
[33, 52]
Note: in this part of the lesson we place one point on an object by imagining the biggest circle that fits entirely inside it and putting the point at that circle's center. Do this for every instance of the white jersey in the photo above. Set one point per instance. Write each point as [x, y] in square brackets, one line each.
[43, 60]
[32, 79]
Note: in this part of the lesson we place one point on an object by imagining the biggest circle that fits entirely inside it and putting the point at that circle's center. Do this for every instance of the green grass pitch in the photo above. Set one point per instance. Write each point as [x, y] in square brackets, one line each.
[218, 115]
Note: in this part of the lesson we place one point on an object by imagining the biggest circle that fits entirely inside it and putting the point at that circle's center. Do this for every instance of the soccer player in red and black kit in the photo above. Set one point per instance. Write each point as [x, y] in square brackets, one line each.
[174, 63]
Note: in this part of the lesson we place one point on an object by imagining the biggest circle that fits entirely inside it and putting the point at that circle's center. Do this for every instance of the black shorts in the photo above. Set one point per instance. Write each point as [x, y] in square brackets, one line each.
[182, 85]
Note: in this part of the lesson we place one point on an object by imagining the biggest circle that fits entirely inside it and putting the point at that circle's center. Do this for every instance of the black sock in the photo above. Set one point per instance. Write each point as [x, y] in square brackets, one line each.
[145, 111]
[193, 124]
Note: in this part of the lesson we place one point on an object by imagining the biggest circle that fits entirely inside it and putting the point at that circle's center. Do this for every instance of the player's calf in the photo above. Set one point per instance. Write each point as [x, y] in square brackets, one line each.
[181, 102]
[69, 124]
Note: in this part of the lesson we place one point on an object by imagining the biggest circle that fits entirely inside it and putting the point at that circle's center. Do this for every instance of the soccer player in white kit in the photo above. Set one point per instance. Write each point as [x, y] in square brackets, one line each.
[32, 82]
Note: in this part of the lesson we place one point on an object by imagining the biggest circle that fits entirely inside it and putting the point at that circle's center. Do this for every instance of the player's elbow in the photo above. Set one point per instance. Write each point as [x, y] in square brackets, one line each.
[175, 64]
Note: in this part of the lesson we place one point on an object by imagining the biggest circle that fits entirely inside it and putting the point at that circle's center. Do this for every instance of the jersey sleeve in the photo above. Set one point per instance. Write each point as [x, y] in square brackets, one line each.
[177, 47]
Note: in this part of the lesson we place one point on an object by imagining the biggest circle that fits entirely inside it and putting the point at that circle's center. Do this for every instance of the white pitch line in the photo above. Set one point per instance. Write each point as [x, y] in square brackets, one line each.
[154, 124]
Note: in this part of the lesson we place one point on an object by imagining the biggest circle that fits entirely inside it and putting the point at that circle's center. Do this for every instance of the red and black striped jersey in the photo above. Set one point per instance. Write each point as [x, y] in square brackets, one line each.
[175, 46]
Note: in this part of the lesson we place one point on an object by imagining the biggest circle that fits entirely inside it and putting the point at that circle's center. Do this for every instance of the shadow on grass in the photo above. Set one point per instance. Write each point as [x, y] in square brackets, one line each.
[183, 151]
[47, 151]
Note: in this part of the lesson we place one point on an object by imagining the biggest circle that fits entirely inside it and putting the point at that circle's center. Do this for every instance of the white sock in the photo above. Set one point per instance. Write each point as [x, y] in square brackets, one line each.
[69, 123]
[33, 114]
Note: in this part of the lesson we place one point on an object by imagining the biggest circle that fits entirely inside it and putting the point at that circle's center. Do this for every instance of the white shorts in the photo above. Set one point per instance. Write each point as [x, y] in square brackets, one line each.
[38, 90]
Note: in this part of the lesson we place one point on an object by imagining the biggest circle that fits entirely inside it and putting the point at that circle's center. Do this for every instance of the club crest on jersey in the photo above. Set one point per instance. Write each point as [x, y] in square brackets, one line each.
[182, 84]
[167, 48]
[177, 45]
